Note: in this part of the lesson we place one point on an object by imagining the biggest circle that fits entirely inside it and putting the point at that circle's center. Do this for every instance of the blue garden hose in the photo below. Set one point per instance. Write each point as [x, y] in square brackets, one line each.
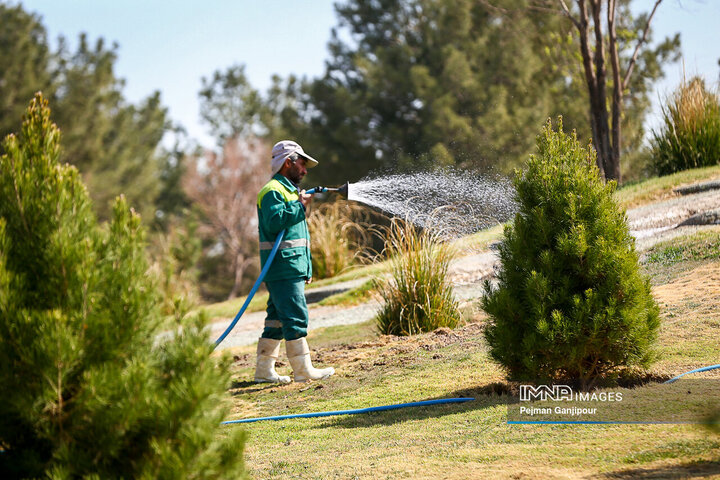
[405, 405]
[353, 412]
[703, 369]
[254, 288]
[259, 280]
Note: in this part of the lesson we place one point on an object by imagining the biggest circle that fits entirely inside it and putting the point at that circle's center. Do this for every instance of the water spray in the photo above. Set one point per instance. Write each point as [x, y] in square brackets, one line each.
[453, 202]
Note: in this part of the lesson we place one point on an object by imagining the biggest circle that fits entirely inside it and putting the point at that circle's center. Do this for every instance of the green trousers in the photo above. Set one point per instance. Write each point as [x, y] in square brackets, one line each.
[287, 312]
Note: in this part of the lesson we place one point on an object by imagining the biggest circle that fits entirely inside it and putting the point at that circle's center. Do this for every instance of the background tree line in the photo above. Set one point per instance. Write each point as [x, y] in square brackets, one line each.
[114, 143]
[408, 85]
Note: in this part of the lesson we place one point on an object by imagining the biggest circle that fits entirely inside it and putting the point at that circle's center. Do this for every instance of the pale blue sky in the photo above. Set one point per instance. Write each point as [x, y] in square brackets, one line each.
[169, 46]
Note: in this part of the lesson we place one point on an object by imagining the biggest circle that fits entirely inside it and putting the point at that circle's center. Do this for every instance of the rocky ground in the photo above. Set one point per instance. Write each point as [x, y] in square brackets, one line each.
[693, 208]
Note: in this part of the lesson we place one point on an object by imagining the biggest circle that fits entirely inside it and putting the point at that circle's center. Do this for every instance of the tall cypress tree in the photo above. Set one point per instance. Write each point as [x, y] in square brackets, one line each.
[89, 388]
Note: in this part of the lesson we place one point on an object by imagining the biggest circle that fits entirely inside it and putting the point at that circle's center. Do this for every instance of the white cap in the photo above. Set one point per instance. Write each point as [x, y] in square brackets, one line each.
[283, 149]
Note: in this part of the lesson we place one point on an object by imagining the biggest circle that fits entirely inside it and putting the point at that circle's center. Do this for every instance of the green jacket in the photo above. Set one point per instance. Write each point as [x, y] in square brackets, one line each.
[279, 209]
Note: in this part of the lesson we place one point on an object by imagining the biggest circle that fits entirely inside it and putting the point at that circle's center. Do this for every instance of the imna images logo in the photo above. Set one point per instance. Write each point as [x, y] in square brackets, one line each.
[557, 393]
[528, 393]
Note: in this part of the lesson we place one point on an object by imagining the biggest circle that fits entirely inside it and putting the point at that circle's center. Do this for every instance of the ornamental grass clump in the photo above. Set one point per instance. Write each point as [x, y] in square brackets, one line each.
[690, 134]
[90, 388]
[570, 302]
[339, 234]
[418, 295]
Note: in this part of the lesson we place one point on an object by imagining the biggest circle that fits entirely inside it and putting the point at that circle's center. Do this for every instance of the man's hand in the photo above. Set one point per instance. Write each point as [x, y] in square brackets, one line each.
[305, 199]
[308, 281]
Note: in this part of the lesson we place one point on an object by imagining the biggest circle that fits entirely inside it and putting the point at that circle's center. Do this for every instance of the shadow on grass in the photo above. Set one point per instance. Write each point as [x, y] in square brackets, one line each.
[486, 396]
[702, 469]
[249, 387]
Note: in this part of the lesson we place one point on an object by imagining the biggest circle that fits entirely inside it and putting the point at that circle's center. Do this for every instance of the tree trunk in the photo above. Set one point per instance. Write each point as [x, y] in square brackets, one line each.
[613, 170]
[583, 26]
[601, 112]
[239, 266]
[596, 79]
[607, 134]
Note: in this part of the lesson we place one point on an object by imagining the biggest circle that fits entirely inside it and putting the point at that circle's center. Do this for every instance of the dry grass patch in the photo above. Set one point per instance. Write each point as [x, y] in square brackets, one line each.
[697, 290]
[690, 311]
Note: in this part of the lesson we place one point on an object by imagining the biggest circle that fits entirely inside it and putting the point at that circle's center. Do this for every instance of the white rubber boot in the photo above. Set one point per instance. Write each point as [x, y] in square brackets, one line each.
[298, 353]
[267, 353]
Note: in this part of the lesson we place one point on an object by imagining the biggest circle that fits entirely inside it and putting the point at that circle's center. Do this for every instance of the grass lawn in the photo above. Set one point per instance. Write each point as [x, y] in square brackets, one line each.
[472, 440]
[660, 188]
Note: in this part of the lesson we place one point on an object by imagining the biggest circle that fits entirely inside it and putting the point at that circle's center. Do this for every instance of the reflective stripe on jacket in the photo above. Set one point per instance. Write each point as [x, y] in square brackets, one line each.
[279, 209]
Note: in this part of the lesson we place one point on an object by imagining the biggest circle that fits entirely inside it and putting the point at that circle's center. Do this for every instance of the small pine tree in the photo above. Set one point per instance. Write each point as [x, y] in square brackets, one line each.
[89, 389]
[571, 302]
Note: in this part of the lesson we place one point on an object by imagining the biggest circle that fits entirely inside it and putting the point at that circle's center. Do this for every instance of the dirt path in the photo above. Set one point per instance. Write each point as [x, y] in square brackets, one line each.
[660, 221]
[649, 224]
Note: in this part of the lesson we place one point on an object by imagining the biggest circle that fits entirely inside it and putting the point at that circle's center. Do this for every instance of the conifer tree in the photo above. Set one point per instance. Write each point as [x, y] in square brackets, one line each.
[115, 144]
[571, 301]
[89, 387]
[25, 60]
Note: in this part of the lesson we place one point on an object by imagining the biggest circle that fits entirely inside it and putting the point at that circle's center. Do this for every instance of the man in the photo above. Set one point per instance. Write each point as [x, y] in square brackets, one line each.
[281, 207]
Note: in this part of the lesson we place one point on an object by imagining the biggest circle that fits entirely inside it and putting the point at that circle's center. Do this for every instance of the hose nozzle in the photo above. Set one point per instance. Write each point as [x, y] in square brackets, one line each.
[342, 190]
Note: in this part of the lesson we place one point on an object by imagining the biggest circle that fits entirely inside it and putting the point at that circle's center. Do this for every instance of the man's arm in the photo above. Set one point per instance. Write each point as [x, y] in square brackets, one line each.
[278, 215]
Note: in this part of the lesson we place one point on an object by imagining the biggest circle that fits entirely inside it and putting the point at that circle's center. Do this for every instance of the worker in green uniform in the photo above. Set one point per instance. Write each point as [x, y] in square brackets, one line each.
[281, 206]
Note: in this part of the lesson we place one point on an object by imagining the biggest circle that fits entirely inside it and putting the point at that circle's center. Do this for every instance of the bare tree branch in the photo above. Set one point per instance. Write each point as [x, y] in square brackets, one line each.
[642, 40]
[224, 185]
[568, 14]
[607, 134]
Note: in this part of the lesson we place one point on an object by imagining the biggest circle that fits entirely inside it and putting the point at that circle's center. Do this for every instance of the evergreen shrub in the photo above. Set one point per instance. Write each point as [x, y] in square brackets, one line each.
[418, 295]
[690, 134]
[570, 302]
[90, 388]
